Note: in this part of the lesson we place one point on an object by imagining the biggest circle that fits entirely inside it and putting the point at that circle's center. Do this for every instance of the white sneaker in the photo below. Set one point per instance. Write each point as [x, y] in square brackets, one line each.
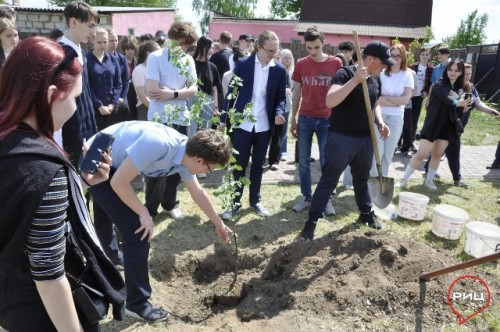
[403, 184]
[301, 205]
[176, 213]
[274, 167]
[283, 158]
[329, 209]
[430, 184]
[201, 175]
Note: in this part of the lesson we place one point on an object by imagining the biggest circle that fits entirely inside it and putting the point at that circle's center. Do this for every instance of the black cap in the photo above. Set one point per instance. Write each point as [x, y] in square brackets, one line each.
[379, 50]
[246, 38]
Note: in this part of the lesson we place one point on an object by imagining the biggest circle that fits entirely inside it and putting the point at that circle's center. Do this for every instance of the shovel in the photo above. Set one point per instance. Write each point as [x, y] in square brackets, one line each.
[381, 188]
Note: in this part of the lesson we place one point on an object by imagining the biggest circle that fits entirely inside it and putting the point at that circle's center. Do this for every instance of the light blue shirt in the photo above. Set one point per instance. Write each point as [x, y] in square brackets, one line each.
[154, 149]
[437, 73]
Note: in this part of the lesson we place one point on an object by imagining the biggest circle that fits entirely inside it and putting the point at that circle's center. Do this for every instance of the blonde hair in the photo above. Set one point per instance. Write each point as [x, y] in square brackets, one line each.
[101, 31]
[5, 23]
[263, 37]
[286, 52]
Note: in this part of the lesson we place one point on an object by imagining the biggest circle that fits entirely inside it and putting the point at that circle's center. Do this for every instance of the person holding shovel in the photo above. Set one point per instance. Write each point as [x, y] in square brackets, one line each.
[349, 140]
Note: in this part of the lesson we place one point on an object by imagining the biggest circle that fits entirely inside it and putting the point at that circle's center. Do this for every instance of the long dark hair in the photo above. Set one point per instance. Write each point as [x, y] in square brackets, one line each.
[459, 83]
[32, 67]
[203, 45]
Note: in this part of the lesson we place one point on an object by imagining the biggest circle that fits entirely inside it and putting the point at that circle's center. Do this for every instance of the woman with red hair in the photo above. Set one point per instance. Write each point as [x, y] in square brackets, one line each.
[42, 204]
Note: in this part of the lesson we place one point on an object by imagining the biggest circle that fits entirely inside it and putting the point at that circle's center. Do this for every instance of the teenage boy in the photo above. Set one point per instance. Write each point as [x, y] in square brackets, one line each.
[349, 142]
[424, 69]
[347, 50]
[123, 107]
[155, 150]
[312, 76]
[443, 57]
[81, 21]
[169, 89]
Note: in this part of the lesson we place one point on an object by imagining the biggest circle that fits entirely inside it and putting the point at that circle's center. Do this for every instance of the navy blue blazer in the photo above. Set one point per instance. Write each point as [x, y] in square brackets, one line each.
[275, 94]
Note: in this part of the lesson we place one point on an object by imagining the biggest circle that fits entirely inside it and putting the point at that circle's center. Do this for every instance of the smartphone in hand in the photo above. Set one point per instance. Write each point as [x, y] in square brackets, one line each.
[101, 142]
[468, 95]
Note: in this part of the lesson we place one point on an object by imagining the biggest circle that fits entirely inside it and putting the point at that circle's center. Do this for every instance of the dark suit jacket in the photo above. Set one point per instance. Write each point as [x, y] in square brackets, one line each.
[275, 94]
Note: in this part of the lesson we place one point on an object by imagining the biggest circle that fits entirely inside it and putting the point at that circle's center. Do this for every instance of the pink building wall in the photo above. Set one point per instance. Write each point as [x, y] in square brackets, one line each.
[284, 30]
[142, 23]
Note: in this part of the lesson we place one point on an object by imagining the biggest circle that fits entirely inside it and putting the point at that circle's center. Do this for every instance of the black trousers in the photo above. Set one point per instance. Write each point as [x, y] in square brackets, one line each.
[274, 147]
[21, 307]
[163, 190]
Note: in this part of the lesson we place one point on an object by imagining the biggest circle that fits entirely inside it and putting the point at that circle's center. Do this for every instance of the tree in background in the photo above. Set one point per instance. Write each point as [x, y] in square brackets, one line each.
[122, 3]
[417, 44]
[470, 31]
[236, 8]
[286, 8]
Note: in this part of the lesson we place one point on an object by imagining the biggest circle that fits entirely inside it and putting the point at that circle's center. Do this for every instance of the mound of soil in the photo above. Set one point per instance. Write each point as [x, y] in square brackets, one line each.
[354, 281]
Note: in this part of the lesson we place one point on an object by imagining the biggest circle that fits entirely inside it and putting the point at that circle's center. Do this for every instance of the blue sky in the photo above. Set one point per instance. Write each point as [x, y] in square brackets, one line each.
[446, 15]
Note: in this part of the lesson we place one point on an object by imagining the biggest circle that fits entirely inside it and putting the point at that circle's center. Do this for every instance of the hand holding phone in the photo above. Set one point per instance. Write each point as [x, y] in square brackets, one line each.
[102, 142]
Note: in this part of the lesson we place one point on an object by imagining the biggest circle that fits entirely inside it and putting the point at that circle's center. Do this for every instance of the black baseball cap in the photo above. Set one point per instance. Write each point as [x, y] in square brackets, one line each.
[245, 37]
[379, 50]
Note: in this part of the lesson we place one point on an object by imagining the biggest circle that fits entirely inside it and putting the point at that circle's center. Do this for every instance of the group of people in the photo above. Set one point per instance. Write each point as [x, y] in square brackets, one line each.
[78, 96]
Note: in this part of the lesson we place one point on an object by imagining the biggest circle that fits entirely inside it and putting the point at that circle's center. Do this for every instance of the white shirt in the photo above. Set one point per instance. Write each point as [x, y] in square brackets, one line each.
[226, 78]
[420, 79]
[139, 79]
[159, 68]
[259, 93]
[76, 47]
[394, 86]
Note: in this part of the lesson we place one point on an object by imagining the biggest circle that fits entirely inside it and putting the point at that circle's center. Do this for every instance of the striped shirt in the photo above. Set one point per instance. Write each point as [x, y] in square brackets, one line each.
[46, 244]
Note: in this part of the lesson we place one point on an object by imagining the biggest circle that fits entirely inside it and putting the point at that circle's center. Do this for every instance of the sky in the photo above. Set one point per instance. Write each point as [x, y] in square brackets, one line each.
[445, 16]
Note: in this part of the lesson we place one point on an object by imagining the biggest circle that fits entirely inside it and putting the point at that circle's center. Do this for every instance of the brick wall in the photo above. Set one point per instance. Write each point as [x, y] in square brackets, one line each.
[31, 23]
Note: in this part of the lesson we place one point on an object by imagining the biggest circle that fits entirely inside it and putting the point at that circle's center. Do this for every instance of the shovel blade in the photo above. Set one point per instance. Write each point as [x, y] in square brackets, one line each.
[381, 190]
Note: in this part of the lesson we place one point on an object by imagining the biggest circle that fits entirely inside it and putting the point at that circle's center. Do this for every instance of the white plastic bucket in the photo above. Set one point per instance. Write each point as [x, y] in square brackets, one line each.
[482, 239]
[449, 221]
[412, 205]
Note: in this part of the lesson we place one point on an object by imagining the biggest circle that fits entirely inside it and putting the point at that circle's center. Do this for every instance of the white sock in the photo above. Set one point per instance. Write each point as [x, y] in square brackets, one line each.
[431, 174]
[408, 172]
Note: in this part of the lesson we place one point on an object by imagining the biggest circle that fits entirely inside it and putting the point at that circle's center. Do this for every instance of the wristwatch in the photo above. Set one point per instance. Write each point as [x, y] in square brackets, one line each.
[176, 94]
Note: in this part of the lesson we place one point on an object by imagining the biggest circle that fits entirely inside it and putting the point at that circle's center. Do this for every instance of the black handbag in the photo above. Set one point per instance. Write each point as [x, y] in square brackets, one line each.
[91, 302]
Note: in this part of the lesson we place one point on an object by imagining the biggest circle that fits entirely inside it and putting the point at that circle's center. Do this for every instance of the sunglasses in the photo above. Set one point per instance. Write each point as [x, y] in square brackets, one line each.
[69, 57]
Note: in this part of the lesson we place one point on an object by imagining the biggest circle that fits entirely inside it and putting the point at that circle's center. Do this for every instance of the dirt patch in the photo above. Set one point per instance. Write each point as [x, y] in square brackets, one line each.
[342, 281]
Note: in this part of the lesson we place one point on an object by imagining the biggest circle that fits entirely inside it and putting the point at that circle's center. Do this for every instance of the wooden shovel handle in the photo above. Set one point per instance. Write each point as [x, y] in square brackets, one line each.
[367, 100]
[473, 262]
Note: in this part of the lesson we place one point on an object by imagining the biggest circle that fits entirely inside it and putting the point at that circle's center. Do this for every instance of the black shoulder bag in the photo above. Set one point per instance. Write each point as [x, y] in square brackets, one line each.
[88, 298]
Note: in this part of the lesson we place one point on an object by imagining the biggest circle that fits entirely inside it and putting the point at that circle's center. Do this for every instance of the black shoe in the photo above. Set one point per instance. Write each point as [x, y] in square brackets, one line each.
[370, 220]
[308, 231]
[407, 154]
[413, 148]
[493, 167]
[151, 314]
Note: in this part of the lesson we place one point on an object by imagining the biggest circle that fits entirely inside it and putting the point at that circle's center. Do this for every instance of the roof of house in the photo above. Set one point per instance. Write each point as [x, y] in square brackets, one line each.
[218, 16]
[413, 13]
[364, 30]
[100, 9]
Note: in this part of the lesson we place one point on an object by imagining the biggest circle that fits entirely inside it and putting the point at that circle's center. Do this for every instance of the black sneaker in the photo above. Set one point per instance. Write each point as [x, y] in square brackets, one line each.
[152, 314]
[370, 220]
[308, 231]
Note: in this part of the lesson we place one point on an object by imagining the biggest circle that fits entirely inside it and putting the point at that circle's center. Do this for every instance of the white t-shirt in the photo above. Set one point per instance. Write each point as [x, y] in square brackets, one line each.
[394, 86]
[420, 79]
[139, 80]
[159, 68]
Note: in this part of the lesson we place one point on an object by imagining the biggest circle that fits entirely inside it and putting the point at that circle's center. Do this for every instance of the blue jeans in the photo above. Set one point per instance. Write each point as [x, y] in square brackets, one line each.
[307, 126]
[284, 135]
[344, 150]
